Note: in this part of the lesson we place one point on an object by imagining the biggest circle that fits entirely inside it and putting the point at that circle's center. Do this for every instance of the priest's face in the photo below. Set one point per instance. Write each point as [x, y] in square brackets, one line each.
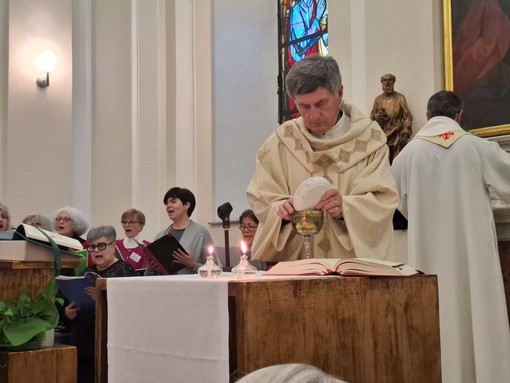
[320, 108]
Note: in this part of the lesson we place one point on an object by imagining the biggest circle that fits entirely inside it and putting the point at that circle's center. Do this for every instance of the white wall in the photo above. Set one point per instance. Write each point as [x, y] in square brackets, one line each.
[370, 38]
[38, 134]
[245, 93]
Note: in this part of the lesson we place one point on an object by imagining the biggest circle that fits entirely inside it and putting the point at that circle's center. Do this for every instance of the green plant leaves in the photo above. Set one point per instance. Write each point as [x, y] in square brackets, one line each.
[25, 318]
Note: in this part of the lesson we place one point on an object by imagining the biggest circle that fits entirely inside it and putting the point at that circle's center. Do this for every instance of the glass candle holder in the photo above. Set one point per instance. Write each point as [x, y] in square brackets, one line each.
[244, 269]
[210, 269]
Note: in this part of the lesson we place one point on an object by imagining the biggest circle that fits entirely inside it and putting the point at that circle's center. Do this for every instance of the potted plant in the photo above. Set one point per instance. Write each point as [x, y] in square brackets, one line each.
[24, 321]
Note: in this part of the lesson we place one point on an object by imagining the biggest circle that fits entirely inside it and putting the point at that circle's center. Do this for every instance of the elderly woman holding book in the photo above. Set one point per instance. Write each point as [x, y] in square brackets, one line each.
[101, 247]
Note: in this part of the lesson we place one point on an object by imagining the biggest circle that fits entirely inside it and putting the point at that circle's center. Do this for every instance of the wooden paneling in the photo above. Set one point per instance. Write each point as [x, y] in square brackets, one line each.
[383, 330]
[17, 277]
[48, 365]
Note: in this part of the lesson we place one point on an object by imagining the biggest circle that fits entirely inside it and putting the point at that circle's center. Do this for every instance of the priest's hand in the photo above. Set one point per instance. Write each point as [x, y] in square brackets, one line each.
[286, 209]
[331, 203]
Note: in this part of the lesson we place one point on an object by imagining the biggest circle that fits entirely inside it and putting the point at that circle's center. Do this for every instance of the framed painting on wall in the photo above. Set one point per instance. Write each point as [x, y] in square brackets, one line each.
[477, 62]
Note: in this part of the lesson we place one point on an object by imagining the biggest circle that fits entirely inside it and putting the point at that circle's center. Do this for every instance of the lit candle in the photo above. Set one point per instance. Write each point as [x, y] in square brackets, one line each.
[243, 248]
[210, 260]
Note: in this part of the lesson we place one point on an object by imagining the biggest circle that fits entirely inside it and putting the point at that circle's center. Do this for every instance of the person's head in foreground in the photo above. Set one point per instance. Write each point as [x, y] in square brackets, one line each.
[101, 246]
[315, 85]
[289, 373]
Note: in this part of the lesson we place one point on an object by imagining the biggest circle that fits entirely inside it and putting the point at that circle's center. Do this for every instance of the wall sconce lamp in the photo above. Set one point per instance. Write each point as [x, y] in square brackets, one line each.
[46, 62]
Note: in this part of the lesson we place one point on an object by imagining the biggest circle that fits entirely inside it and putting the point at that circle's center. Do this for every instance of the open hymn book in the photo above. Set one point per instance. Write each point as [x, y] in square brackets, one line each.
[352, 267]
[25, 231]
[74, 288]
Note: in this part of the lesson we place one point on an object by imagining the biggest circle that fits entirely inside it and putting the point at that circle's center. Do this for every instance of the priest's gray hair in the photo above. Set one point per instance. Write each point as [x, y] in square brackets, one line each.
[80, 224]
[106, 231]
[289, 373]
[311, 73]
[444, 103]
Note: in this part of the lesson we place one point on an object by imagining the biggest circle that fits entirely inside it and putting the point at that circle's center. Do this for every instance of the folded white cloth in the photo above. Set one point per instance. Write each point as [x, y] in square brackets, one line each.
[168, 329]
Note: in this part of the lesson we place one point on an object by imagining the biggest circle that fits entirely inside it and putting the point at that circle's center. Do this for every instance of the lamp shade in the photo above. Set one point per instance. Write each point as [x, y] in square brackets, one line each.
[46, 61]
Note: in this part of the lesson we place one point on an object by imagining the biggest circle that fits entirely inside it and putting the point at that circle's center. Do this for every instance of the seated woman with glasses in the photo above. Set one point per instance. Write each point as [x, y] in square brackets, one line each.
[130, 249]
[248, 224]
[70, 222]
[195, 238]
[101, 247]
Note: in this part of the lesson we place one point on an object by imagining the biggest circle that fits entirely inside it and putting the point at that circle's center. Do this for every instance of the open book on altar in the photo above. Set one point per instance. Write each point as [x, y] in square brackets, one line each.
[352, 267]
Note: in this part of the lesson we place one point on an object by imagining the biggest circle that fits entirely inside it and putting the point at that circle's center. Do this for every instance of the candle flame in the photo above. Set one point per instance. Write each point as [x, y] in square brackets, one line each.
[211, 249]
[243, 248]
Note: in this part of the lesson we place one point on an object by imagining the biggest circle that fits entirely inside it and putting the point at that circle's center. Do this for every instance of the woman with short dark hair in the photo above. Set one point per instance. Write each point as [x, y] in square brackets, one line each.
[195, 238]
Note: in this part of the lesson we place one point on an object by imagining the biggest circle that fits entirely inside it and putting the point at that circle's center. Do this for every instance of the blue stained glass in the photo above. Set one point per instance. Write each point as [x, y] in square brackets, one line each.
[303, 31]
[306, 17]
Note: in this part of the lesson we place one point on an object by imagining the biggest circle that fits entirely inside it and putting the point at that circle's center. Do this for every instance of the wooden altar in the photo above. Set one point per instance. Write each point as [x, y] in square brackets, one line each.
[383, 330]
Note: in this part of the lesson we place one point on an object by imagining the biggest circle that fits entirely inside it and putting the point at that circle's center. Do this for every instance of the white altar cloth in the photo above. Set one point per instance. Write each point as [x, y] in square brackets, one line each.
[168, 329]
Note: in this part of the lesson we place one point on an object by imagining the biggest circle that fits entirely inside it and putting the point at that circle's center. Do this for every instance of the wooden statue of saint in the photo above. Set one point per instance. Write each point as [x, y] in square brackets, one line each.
[391, 112]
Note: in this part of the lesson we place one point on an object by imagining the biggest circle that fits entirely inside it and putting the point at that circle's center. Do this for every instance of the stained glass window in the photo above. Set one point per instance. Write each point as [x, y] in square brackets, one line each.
[303, 31]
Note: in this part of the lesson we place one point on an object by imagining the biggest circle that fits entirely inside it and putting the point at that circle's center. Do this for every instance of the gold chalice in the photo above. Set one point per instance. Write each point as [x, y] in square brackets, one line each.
[307, 223]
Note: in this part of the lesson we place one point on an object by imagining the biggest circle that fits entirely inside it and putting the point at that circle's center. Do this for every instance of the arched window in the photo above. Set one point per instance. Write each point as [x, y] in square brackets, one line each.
[303, 31]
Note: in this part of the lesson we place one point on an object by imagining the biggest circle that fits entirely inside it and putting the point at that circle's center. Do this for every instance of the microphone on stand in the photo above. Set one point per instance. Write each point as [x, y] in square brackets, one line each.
[224, 214]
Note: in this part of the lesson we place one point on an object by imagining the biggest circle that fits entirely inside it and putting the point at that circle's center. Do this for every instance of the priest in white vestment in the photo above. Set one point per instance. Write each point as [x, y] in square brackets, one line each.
[443, 176]
[334, 140]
